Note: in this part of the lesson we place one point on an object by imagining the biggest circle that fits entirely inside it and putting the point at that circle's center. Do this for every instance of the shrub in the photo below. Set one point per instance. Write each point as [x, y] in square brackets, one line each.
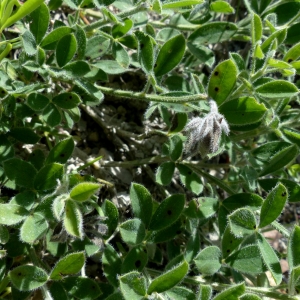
[221, 81]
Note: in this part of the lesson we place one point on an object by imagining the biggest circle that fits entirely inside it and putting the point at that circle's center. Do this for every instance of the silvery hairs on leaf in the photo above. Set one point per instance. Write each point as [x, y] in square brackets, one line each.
[204, 134]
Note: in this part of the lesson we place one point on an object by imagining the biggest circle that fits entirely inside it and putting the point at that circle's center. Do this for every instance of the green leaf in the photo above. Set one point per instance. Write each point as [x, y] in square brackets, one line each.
[292, 54]
[222, 81]
[133, 286]
[178, 123]
[97, 46]
[232, 293]
[34, 227]
[73, 219]
[170, 55]
[112, 217]
[28, 278]
[136, 259]
[190, 179]
[268, 150]
[11, 214]
[81, 41]
[167, 212]
[24, 10]
[145, 52]
[242, 222]
[203, 208]
[24, 135]
[4, 234]
[65, 49]
[208, 261]
[110, 67]
[51, 115]
[21, 172]
[6, 148]
[273, 205]
[92, 96]
[84, 191]
[58, 206]
[61, 152]
[37, 101]
[120, 54]
[166, 234]
[29, 43]
[293, 251]
[205, 292]
[238, 60]
[250, 297]
[256, 28]
[230, 242]
[82, 288]
[165, 172]
[247, 260]
[175, 147]
[294, 280]
[215, 32]
[280, 160]
[111, 265]
[47, 178]
[39, 22]
[169, 279]
[180, 3]
[293, 36]
[243, 111]
[70, 264]
[120, 30]
[54, 36]
[270, 258]
[133, 231]
[292, 187]
[277, 89]
[142, 203]
[181, 293]
[76, 69]
[221, 7]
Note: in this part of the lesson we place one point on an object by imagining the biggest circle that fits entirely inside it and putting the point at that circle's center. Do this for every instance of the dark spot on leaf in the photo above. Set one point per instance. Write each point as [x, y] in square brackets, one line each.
[243, 114]
[138, 263]
[290, 60]
[62, 155]
[190, 172]
[169, 212]
[283, 194]
[216, 73]
[254, 227]
[145, 250]
[142, 45]
[155, 65]
[228, 250]
[93, 287]
[231, 242]
[171, 106]
[216, 89]
[3, 92]
[19, 274]
[227, 27]
[70, 97]
[178, 231]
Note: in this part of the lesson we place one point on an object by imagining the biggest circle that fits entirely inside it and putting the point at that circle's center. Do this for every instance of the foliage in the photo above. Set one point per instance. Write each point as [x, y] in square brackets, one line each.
[224, 80]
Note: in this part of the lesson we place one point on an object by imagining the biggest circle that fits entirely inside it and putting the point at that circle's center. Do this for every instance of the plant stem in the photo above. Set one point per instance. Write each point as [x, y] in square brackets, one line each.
[196, 280]
[122, 15]
[150, 97]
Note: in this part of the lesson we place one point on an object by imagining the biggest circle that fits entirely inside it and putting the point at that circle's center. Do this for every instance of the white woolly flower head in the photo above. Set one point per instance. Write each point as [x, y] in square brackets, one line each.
[204, 134]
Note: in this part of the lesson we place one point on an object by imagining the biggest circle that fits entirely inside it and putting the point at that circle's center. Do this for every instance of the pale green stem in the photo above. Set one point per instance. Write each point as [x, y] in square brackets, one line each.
[121, 15]
[159, 24]
[150, 97]
[86, 165]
